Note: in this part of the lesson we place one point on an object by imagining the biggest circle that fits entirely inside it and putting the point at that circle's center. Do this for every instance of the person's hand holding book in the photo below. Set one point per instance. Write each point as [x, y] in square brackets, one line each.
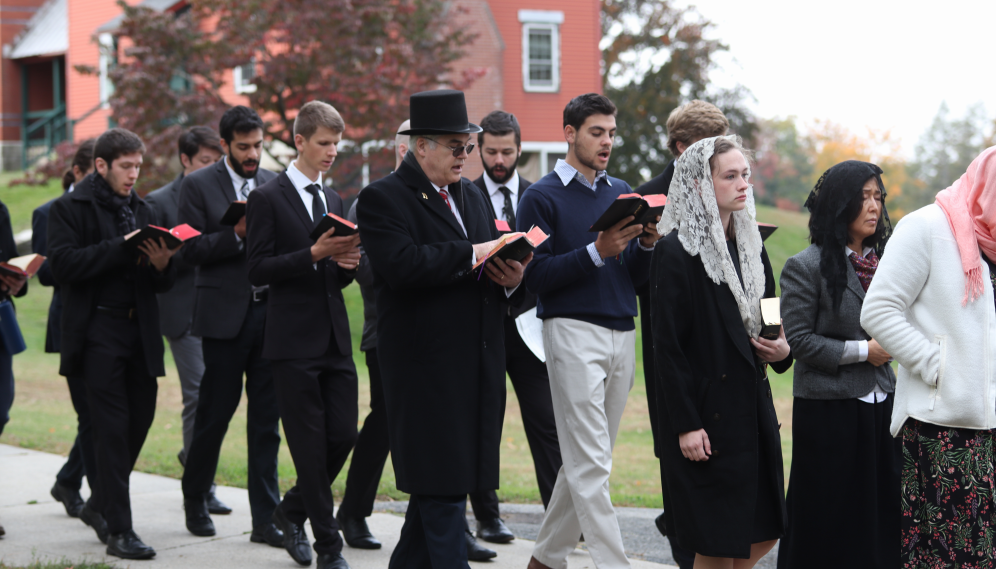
[344, 250]
[614, 240]
[157, 252]
[507, 273]
[12, 284]
[650, 235]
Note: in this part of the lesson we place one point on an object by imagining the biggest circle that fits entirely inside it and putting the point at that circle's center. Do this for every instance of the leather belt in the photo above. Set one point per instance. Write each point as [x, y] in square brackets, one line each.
[260, 294]
[123, 313]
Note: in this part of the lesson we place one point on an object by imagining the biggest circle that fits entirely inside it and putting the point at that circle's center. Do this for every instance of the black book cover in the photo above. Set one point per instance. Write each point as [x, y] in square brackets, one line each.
[235, 212]
[766, 229]
[173, 237]
[330, 220]
[644, 210]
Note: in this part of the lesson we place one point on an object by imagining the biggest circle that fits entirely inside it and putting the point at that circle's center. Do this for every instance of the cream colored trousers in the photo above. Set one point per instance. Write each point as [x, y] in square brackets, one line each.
[591, 373]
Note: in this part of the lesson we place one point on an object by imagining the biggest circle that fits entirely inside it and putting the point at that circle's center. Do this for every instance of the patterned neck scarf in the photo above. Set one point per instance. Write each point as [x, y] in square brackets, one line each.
[864, 267]
[118, 205]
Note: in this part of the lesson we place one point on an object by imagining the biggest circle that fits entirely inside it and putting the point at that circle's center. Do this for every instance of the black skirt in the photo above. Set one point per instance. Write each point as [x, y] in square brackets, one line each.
[843, 495]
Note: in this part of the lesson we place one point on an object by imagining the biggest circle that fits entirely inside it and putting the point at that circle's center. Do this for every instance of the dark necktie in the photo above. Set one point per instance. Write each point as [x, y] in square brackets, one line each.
[244, 191]
[317, 206]
[507, 210]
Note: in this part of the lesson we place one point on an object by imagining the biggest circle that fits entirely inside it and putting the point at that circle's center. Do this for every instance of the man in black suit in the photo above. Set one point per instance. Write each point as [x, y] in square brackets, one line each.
[307, 335]
[500, 147]
[686, 125]
[110, 323]
[199, 147]
[439, 328]
[81, 459]
[229, 316]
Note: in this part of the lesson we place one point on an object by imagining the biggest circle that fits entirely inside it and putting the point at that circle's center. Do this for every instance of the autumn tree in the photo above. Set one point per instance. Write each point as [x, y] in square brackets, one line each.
[657, 56]
[365, 57]
[782, 164]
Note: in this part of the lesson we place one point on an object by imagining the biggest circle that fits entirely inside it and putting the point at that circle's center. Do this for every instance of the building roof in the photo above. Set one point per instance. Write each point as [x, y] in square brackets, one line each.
[47, 33]
[158, 5]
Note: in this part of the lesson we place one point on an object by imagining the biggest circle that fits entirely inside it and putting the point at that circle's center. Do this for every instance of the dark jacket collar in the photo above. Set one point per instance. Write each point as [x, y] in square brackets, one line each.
[414, 177]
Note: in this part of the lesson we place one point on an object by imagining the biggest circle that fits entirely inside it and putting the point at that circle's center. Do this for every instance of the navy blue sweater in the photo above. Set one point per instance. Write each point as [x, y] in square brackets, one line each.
[566, 281]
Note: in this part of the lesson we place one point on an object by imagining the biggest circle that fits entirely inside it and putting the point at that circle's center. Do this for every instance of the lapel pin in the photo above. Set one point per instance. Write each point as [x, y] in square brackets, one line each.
[424, 197]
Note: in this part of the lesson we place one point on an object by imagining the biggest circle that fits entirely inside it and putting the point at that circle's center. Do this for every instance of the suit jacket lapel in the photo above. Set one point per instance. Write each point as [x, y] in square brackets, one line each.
[853, 283]
[731, 318]
[290, 192]
[225, 181]
[429, 197]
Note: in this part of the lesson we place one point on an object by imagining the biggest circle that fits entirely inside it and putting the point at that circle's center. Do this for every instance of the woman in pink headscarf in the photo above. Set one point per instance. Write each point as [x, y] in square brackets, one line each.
[932, 307]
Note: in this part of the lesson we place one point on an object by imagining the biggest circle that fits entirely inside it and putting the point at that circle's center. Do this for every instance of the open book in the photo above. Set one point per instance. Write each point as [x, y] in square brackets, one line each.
[644, 210]
[330, 220]
[173, 237]
[236, 211]
[515, 246]
[23, 266]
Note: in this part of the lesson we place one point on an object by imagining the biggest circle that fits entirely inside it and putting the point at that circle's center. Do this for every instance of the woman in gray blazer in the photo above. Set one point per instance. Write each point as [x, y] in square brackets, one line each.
[843, 496]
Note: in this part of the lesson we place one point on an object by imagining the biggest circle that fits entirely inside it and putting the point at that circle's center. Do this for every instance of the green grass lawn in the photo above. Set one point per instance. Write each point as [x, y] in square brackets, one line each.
[42, 416]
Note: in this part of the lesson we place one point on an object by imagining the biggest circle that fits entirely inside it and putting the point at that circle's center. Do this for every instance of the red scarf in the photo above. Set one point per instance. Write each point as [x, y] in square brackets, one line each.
[864, 267]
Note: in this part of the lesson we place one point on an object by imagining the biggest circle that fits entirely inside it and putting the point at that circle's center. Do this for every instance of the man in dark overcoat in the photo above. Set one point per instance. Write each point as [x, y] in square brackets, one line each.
[439, 328]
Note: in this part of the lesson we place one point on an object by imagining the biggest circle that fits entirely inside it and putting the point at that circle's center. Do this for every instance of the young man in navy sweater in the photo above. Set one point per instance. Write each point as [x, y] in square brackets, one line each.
[585, 287]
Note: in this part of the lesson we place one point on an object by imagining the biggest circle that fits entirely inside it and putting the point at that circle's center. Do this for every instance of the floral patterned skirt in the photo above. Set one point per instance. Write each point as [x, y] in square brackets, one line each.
[949, 519]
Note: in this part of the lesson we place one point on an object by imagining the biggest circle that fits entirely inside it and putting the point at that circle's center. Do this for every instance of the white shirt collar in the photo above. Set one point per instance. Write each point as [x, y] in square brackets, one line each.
[512, 184]
[298, 178]
[566, 173]
[864, 253]
[237, 180]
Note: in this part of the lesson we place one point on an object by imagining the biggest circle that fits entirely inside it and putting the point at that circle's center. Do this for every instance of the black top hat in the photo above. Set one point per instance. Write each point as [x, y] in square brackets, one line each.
[439, 112]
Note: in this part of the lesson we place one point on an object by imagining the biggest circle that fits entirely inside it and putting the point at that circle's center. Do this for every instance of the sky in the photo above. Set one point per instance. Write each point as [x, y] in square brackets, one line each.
[883, 64]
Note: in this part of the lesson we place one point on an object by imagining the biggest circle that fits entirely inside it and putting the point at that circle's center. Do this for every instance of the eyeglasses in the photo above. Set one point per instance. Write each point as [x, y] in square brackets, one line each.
[456, 150]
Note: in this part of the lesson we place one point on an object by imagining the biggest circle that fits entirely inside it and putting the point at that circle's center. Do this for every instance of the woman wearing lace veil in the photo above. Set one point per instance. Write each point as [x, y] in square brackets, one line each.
[721, 465]
[845, 463]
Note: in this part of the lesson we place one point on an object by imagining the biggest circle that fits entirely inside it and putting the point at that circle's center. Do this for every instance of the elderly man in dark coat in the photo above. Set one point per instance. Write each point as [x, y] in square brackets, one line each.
[439, 328]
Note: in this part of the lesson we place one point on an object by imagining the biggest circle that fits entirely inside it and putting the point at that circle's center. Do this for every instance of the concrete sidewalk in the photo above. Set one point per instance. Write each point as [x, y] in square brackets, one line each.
[39, 529]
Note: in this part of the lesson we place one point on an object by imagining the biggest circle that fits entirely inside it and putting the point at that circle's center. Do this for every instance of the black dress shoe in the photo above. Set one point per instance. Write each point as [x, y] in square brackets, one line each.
[332, 561]
[356, 532]
[70, 498]
[216, 506]
[198, 520]
[96, 521]
[127, 545]
[268, 534]
[659, 522]
[495, 531]
[476, 551]
[295, 538]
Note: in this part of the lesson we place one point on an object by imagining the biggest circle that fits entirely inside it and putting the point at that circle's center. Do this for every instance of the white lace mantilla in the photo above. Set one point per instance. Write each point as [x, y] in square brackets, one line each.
[692, 210]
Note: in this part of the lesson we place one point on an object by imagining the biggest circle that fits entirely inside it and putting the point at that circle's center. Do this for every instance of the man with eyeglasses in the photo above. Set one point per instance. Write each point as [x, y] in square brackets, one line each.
[440, 341]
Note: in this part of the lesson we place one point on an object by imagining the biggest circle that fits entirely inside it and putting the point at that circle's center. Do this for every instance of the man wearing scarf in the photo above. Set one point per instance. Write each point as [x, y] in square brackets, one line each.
[110, 323]
[439, 328]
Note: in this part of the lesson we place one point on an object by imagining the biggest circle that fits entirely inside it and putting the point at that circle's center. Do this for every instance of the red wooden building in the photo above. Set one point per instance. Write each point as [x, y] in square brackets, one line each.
[537, 55]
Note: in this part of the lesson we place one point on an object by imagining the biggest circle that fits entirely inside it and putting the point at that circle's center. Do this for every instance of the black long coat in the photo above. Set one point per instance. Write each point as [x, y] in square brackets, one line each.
[39, 245]
[708, 377]
[83, 247]
[440, 336]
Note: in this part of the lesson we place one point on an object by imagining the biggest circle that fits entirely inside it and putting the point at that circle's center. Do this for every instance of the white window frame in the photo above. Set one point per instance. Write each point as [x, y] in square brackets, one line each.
[547, 20]
[241, 88]
[544, 149]
[106, 48]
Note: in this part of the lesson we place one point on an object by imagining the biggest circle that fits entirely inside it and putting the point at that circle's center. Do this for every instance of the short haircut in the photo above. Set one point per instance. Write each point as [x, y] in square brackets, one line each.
[405, 139]
[115, 143]
[315, 114]
[694, 121]
[583, 106]
[238, 119]
[83, 159]
[198, 137]
[499, 123]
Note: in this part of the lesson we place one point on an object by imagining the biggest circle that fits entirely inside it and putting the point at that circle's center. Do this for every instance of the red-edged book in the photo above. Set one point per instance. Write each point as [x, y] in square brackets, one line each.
[173, 237]
[330, 220]
[515, 246]
[644, 210]
[23, 266]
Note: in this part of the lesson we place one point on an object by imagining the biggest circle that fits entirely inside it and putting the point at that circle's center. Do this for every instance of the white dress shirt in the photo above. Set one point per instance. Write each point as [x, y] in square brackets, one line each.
[498, 198]
[857, 350]
[301, 182]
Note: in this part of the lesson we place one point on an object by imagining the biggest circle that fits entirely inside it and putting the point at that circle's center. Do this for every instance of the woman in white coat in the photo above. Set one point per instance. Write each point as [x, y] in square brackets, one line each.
[932, 307]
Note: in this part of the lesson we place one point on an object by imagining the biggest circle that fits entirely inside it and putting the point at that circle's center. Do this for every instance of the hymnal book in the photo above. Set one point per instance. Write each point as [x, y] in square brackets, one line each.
[330, 220]
[502, 226]
[23, 266]
[515, 246]
[771, 316]
[644, 210]
[766, 229]
[236, 211]
[173, 237]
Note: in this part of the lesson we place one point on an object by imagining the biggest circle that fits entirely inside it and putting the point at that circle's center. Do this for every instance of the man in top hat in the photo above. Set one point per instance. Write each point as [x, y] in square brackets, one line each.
[439, 328]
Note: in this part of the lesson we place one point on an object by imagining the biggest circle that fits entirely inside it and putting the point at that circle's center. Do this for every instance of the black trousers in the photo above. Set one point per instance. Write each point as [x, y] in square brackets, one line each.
[532, 387]
[122, 399]
[432, 537]
[225, 361]
[370, 452]
[81, 457]
[317, 399]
